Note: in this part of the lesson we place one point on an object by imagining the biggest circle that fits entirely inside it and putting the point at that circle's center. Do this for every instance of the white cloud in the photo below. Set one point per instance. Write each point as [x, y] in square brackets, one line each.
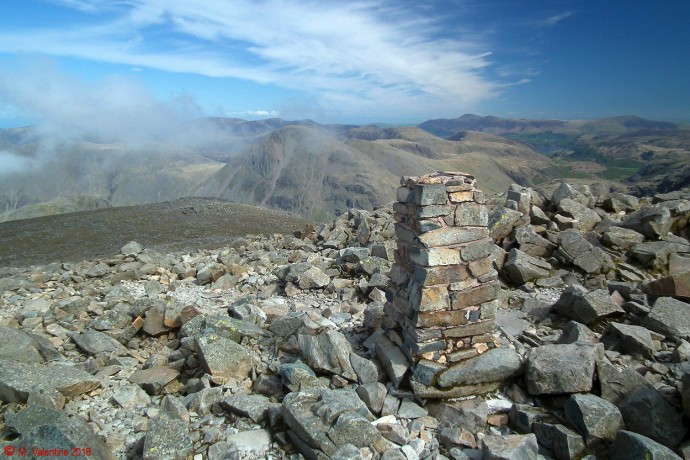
[367, 54]
[12, 164]
[113, 110]
[255, 113]
[553, 20]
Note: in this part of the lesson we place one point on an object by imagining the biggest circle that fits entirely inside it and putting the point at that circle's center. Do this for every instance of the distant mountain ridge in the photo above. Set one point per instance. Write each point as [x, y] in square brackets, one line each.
[317, 171]
[445, 128]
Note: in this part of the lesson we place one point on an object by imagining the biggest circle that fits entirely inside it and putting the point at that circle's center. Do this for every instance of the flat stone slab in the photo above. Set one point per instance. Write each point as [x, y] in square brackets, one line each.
[652, 222]
[587, 308]
[18, 380]
[522, 267]
[449, 236]
[575, 249]
[17, 345]
[252, 406]
[616, 383]
[628, 339]
[677, 285]
[96, 342]
[154, 379]
[622, 238]
[587, 218]
[670, 317]
[129, 397]
[561, 440]
[254, 442]
[510, 447]
[493, 365]
[393, 360]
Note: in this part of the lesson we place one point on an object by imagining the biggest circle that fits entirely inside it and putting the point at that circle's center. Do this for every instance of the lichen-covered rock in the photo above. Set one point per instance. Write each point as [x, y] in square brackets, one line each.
[328, 351]
[567, 368]
[325, 420]
[522, 267]
[652, 222]
[510, 447]
[594, 417]
[224, 359]
[574, 249]
[167, 438]
[19, 380]
[670, 317]
[43, 431]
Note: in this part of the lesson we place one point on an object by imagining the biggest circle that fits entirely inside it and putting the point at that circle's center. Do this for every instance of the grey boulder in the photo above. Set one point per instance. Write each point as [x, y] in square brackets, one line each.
[670, 317]
[646, 412]
[510, 447]
[593, 416]
[629, 445]
[522, 267]
[561, 368]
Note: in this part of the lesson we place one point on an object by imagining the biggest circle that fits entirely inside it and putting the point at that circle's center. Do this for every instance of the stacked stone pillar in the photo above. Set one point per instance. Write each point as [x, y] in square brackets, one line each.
[444, 286]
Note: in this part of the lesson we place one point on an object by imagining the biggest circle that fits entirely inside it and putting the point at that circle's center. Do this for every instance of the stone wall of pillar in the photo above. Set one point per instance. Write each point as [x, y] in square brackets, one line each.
[443, 300]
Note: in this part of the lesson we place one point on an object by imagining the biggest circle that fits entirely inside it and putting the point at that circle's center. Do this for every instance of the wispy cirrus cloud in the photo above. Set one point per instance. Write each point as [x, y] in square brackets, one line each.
[553, 20]
[364, 54]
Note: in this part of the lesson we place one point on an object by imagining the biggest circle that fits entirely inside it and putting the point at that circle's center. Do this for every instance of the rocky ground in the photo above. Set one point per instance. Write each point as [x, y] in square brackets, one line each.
[265, 347]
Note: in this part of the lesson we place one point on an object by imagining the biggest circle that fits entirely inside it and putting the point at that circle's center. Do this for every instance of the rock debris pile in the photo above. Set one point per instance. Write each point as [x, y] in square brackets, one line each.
[273, 346]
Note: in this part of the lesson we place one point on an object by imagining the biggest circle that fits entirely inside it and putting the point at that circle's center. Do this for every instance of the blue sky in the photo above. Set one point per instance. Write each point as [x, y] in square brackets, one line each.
[343, 61]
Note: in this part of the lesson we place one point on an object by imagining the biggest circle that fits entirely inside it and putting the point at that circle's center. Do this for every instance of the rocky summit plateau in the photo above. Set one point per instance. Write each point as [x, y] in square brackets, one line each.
[270, 345]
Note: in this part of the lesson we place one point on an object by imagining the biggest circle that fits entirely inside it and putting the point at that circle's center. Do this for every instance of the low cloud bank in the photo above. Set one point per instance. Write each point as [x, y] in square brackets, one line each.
[86, 133]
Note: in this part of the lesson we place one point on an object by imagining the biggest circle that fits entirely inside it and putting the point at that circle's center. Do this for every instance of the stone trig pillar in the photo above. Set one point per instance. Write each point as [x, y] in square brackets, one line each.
[444, 287]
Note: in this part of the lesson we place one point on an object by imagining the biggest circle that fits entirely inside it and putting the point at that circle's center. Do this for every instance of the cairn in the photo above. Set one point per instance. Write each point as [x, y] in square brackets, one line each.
[443, 301]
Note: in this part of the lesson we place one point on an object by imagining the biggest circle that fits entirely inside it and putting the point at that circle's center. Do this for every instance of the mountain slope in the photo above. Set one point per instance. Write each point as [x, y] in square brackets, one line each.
[317, 173]
[302, 169]
[624, 124]
[444, 127]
